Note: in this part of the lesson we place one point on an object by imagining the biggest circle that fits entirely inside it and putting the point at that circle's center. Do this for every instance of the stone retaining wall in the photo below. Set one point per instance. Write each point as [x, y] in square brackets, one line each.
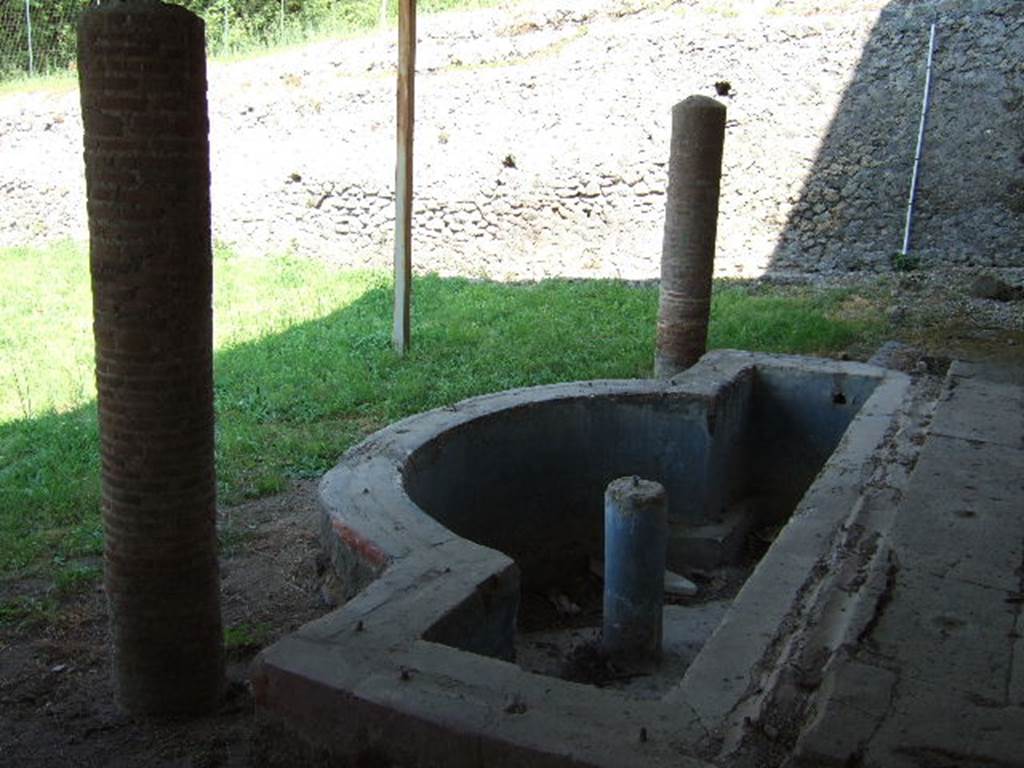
[542, 136]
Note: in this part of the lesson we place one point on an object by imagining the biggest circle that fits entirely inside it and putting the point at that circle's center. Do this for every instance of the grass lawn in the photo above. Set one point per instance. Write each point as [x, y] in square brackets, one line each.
[304, 369]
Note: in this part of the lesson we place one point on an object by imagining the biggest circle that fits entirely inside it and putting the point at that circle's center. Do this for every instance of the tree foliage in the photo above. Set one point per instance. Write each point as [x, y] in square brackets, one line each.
[51, 25]
[231, 25]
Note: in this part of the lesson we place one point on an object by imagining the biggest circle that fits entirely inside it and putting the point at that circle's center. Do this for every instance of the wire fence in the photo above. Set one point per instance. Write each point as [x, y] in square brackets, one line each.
[38, 36]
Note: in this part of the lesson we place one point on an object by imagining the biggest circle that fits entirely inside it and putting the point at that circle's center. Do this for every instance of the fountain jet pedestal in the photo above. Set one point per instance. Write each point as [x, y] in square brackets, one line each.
[635, 535]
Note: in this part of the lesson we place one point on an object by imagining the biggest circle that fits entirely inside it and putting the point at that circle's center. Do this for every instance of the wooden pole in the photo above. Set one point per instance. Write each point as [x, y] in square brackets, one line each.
[403, 172]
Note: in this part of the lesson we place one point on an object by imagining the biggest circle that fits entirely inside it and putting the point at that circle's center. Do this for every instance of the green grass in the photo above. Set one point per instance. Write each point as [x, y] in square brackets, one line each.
[799, 321]
[71, 578]
[304, 369]
[261, 36]
[50, 82]
[22, 611]
[240, 639]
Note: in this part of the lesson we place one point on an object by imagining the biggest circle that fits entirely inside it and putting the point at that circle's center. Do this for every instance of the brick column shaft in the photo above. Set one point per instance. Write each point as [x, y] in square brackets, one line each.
[142, 71]
[691, 225]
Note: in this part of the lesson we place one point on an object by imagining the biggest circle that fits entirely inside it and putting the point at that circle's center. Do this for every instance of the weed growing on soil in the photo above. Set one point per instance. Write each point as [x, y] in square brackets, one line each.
[240, 639]
[71, 578]
[24, 609]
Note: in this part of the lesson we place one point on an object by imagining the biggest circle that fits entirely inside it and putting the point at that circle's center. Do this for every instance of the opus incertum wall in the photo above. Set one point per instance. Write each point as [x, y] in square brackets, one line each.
[823, 105]
[443, 522]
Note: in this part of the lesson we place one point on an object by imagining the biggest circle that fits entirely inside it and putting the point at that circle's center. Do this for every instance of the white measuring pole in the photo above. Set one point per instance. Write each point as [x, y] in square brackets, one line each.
[28, 28]
[920, 141]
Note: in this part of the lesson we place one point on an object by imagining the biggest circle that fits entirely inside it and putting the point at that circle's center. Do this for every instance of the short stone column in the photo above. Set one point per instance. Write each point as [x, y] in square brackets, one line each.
[142, 71]
[691, 221]
[635, 539]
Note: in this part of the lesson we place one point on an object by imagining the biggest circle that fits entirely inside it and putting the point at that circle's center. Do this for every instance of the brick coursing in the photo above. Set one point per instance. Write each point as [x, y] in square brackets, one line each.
[143, 92]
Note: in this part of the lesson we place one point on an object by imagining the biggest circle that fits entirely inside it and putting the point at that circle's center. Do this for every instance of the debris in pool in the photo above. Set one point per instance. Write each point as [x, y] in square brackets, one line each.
[675, 585]
[678, 586]
[563, 604]
[588, 663]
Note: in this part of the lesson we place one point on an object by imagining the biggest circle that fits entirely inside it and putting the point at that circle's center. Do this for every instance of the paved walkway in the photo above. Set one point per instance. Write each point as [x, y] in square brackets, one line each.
[937, 677]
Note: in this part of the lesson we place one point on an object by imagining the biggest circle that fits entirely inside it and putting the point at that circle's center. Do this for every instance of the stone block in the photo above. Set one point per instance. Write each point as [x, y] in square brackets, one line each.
[946, 633]
[964, 501]
[926, 725]
[854, 700]
[981, 410]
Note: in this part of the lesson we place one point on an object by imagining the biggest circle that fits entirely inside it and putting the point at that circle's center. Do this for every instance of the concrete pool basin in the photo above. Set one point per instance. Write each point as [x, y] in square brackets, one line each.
[445, 527]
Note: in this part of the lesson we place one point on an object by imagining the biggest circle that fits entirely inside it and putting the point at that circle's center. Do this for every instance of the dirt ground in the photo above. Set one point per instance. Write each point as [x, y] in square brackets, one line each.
[56, 696]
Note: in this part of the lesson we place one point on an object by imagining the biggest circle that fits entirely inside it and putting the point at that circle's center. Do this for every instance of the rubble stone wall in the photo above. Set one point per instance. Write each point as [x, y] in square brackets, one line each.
[542, 136]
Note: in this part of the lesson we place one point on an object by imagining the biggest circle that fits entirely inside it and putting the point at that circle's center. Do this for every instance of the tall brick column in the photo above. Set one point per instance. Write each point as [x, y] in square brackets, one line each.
[142, 72]
[691, 224]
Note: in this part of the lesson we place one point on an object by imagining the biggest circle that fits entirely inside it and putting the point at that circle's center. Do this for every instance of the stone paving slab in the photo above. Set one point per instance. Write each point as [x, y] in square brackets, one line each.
[975, 408]
[873, 717]
[926, 725]
[858, 695]
[961, 515]
[998, 736]
[995, 371]
[946, 633]
[938, 679]
[1016, 692]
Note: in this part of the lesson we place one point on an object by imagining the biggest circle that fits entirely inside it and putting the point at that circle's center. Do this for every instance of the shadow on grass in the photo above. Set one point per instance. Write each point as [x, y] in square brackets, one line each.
[290, 403]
